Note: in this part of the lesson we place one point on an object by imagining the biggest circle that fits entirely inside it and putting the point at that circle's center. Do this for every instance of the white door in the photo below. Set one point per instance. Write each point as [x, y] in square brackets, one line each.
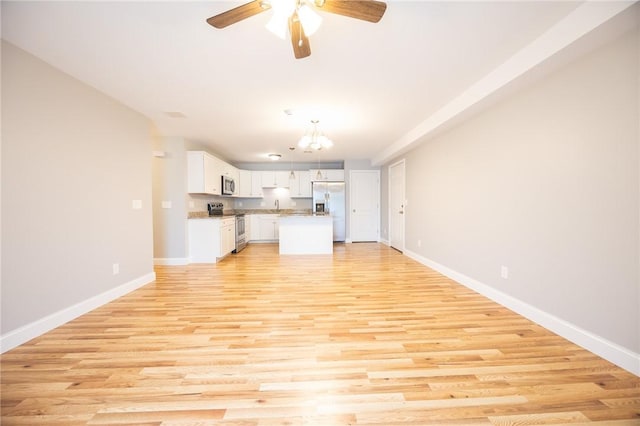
[396, 205]
[364, 202]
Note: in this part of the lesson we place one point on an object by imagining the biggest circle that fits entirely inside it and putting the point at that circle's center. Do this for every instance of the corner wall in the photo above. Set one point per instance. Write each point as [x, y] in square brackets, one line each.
[545, 183]
[73, 161]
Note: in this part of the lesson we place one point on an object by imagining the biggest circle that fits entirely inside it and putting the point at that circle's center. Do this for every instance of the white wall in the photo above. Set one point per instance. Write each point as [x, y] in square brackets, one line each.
[547, 184]
[73, 160]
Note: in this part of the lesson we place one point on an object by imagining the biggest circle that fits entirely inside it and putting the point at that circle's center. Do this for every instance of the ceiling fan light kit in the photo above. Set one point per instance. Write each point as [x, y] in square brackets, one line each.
[299, 18]
[309, 19]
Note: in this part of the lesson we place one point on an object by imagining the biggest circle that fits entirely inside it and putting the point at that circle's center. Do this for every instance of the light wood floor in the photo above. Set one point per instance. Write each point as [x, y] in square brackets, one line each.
[364, 337]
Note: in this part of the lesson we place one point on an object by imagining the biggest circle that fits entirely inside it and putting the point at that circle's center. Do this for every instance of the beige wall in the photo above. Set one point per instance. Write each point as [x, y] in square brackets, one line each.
[169, 184]
[73, 160]
[547, 184]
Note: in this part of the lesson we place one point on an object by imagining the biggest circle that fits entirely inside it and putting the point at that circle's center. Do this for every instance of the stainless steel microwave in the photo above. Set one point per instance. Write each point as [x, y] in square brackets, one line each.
[228, 185]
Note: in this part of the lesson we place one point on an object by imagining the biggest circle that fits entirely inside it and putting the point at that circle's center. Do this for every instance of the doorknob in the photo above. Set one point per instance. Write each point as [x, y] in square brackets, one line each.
[401, 212]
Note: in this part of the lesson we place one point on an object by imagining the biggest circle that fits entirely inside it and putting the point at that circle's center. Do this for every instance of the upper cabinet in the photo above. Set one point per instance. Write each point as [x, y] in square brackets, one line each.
[300, 184]
[256, 184]
[250, 184]
[203, 173]
[230, 171]
[275, 179]
[244, 183]
[329, 175]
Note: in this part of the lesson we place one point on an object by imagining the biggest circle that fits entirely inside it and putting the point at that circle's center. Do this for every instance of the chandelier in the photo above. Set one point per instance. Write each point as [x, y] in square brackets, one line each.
[314, 138]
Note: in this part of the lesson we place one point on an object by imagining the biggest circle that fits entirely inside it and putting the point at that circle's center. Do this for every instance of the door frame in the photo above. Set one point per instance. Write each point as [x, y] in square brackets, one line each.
[404, 202]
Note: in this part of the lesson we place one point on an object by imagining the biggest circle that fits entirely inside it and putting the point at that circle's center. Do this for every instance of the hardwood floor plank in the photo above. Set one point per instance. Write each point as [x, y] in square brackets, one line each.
[364, 337]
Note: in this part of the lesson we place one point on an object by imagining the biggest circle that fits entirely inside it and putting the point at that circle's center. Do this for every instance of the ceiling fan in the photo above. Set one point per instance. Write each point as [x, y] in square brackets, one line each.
[298, 18]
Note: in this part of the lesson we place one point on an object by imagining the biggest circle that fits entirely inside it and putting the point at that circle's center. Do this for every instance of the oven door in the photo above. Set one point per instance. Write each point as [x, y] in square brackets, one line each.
[241, 240]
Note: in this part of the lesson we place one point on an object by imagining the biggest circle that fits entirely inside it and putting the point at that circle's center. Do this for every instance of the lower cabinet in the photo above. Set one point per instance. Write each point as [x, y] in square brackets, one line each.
[264, 227]
[227, 236]
[211, 239]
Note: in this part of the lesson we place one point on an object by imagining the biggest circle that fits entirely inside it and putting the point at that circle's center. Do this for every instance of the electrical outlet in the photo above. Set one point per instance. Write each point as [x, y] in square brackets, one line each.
[419, 243]
[116, 268]
[239, 203]
[192, 205]
[504, 272]
[166, 204]
[136, 204]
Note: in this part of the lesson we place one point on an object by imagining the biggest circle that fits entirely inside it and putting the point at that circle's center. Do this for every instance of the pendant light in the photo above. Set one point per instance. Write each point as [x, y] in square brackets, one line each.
[292, 175]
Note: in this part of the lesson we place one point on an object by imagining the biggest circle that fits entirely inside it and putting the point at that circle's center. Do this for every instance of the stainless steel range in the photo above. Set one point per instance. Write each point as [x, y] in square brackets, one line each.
[216, 209]
[241, 238]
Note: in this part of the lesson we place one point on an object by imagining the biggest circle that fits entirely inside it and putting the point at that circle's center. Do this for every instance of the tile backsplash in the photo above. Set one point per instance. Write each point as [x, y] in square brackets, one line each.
[198, 202]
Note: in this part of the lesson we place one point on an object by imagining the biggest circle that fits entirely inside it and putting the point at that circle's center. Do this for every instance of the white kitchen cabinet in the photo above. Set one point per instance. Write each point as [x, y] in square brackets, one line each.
[250, 184]
[247, 228]
[268, 227]
[230, 171]
[203, 173]
[300, 184]
[327, 175]
[275, 179]
[211, 239]
[254, 219]
[227, 235]
[244, 184]
[256, 184]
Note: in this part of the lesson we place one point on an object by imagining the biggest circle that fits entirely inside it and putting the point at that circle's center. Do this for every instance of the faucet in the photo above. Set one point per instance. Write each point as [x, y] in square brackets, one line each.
[277, 204]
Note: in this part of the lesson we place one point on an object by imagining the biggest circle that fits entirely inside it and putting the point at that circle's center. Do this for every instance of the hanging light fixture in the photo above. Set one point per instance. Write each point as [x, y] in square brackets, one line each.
[314, 138]
[319, 172]
[291, 174]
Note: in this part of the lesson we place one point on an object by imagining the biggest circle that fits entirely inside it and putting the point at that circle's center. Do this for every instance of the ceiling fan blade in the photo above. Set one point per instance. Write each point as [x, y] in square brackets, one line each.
[237, 14]
[299, 41]
[367, 10]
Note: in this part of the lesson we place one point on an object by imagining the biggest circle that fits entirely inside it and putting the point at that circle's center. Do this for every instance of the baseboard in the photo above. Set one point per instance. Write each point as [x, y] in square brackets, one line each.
[171, 261]
[27, 332]
[383, 241]
[604, 348]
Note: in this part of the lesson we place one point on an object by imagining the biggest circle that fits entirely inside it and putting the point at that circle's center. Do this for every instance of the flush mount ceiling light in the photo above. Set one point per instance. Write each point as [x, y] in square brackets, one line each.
[274, 157]
[314, 138]
[298, 18]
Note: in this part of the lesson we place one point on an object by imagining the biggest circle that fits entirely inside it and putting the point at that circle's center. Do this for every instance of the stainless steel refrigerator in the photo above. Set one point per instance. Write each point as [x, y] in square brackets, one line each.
[329, 198]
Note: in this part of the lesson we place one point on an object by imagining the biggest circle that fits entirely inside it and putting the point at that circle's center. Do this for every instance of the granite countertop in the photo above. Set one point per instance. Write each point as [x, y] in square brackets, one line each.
[283, 212]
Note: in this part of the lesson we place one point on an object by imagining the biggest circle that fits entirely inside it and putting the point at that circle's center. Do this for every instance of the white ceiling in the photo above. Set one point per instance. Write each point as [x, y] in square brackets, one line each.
[370, 85]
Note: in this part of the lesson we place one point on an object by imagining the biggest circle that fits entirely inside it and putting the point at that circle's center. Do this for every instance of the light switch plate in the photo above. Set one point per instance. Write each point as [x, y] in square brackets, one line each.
[136, 204]
[166, 204]
[504, 272]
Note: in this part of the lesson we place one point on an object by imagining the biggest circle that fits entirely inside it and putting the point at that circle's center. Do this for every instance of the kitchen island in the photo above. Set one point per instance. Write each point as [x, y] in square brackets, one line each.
[306, 234]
